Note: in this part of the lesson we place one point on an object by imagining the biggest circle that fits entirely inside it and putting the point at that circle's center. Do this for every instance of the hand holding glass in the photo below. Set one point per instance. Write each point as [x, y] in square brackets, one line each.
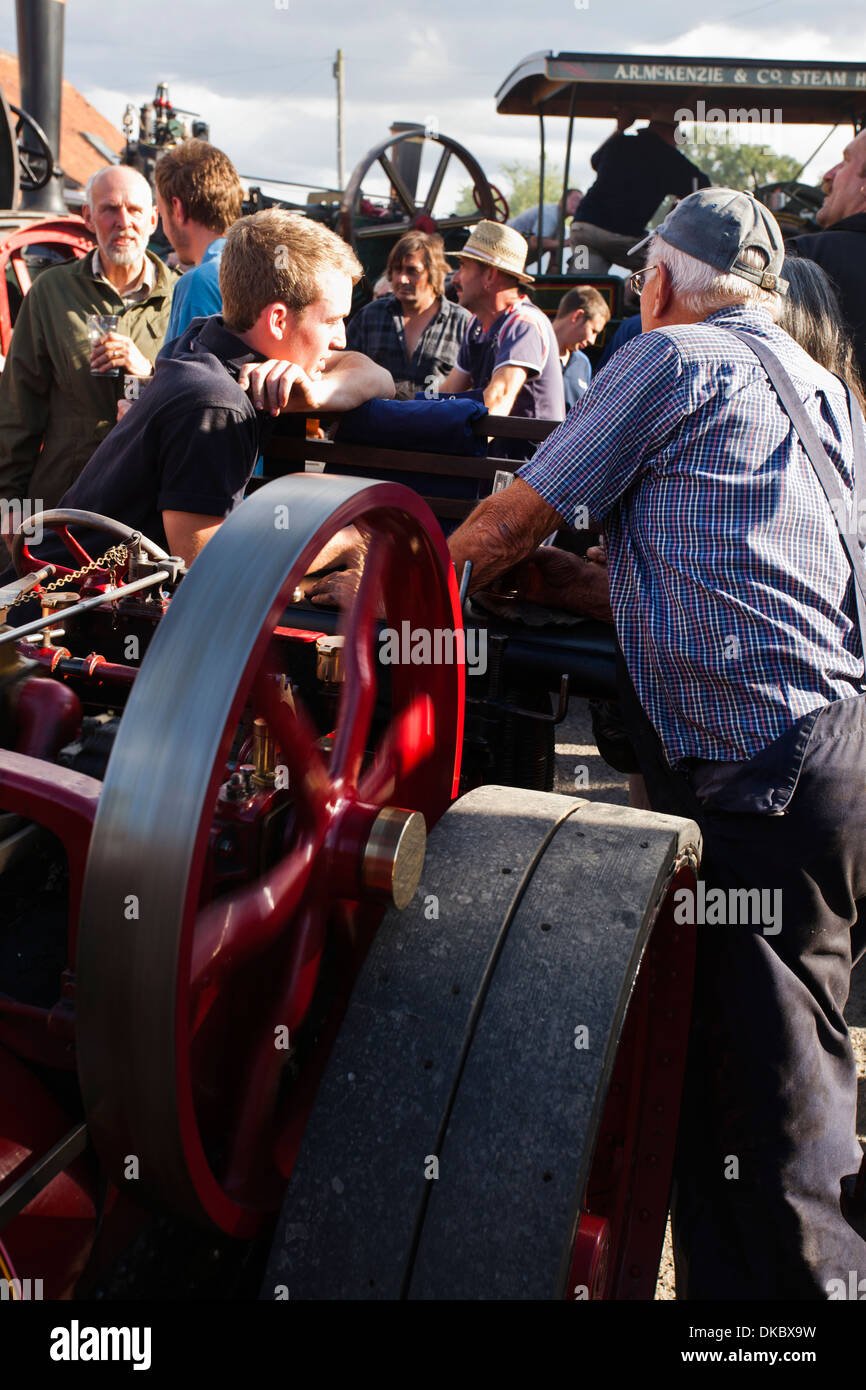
[98, 326]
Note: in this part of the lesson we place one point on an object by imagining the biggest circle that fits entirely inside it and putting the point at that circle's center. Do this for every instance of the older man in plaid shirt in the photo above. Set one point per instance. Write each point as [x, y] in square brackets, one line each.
[741, 676]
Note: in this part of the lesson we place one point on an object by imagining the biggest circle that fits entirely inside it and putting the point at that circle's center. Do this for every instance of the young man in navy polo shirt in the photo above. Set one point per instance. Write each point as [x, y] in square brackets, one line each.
[180, 459]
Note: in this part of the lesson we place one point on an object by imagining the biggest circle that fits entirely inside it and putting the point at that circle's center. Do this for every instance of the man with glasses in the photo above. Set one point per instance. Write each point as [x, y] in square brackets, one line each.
[740, 673]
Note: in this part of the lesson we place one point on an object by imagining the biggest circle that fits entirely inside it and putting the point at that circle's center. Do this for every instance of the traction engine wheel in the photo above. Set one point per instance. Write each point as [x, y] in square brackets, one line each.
[414, 212]
[498, 1115]
[500, 202]
[186, 1000]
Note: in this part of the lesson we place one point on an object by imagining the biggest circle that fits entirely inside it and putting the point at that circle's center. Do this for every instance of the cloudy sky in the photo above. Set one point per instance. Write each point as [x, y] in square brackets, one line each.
[261, 70]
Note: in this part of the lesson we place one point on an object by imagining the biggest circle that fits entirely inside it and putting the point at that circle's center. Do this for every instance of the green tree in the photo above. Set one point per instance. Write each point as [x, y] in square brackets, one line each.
[518, 179]
[737, 166]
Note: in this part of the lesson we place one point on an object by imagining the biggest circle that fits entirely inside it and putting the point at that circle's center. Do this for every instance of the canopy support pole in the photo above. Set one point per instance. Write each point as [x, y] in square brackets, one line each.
[563, 207]
[540, 191]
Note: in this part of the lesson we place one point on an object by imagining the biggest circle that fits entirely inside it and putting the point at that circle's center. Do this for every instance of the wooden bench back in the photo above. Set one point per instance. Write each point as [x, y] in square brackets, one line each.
[286, 454]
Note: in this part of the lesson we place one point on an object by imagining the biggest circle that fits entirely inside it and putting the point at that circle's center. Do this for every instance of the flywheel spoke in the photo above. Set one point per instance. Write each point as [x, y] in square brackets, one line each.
[398, 185]
[229, 931]
[267, 1051]
[436, 183]
[408, 742]
[358, 699]
[295, 737]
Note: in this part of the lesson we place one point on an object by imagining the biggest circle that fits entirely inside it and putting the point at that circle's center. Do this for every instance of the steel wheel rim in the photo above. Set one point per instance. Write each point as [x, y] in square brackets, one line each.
[138, 1090]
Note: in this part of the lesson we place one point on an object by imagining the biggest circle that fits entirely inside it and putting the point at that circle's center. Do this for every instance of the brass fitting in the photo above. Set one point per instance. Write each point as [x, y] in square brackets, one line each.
[263, 756]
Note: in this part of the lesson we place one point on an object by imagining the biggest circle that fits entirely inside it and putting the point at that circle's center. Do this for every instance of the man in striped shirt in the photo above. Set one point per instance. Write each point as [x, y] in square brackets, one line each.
[510, 352]
[741, 672]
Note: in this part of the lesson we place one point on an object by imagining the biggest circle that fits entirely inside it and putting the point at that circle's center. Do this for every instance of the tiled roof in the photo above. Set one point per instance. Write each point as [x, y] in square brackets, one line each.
[78, 158]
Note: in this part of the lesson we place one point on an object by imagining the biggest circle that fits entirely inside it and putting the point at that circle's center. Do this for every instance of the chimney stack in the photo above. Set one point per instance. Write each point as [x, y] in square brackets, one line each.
[40, 65]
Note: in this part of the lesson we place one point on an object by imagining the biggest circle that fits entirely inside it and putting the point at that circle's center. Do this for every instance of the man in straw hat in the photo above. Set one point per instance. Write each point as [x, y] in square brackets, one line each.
[510, 352]
[741, 679]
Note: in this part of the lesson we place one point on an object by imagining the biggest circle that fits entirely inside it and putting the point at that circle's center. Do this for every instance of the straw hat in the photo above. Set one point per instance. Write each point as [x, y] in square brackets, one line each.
[494, 243]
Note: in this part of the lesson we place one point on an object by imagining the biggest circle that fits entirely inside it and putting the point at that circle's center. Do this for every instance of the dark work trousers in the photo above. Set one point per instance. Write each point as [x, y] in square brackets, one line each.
[767, 1153]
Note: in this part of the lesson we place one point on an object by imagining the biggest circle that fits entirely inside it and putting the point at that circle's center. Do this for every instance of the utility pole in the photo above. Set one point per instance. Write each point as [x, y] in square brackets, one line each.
[341, 129]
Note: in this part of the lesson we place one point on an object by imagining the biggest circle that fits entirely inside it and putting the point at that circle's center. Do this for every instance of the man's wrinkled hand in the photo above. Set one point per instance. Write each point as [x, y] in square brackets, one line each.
[115, 351]
[558, 579]
[333, 577]
[278, 387]
[334, 590]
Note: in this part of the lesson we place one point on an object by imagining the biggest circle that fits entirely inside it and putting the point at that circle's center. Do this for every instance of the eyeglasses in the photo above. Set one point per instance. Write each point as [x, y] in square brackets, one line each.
[638, 280]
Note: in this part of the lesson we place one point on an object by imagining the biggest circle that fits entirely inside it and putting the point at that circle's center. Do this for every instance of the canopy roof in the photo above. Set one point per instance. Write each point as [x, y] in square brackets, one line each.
[657, 88]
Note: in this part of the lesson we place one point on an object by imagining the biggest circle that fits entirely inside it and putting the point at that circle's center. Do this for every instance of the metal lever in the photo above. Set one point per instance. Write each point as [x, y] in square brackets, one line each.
[38, 624]
[10, 592]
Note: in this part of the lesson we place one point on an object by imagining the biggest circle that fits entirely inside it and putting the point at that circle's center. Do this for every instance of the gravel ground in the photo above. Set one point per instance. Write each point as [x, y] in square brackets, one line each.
[575, 749]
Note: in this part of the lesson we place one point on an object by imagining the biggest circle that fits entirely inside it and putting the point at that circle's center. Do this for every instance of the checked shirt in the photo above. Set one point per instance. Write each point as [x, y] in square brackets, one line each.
[378, 332]
[730, 590]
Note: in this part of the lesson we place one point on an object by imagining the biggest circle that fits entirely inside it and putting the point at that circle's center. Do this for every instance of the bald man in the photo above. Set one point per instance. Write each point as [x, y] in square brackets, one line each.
[59, 391]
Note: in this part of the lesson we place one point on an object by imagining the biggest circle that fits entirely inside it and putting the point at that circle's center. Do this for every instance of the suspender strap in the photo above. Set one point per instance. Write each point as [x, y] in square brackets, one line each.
[827, 475]
[857, 429]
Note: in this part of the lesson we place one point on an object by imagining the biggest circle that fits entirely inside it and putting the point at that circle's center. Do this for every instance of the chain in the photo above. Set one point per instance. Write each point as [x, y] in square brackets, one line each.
[113, 557]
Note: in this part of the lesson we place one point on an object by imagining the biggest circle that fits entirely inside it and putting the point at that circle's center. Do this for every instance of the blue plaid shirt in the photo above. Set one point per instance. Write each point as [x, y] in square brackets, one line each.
[378, 331]
[730, 590]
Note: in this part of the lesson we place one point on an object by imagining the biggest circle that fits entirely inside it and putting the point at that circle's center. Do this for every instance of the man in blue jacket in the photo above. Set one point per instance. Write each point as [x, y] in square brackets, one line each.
[199, 196]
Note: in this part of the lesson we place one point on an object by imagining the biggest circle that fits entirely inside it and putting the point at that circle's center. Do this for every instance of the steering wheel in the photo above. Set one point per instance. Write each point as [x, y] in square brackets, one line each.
[58, 520]
[408, 208]
[35, 158]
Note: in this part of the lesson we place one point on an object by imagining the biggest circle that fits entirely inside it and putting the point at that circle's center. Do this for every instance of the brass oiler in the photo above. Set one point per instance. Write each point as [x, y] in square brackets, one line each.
[329, 660]
[264, 756]
[53, 606]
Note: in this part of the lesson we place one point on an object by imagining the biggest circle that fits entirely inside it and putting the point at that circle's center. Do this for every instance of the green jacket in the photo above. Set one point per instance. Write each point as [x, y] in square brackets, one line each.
[53, 413]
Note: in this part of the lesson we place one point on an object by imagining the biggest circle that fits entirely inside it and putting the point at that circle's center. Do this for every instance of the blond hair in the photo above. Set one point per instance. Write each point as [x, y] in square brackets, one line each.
[278, 257]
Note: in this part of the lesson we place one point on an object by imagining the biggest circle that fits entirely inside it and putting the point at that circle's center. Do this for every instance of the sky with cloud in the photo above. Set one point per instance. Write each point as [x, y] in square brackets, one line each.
[260, 71]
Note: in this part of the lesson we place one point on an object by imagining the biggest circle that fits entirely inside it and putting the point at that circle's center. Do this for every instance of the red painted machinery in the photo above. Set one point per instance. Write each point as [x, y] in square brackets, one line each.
[241, 1012]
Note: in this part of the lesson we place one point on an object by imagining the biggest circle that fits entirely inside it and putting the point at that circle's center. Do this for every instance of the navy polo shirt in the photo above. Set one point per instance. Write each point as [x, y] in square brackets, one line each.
[188, 444]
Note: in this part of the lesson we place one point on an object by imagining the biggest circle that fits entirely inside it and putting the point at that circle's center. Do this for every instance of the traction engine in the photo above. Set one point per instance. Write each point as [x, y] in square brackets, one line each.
[266, 988]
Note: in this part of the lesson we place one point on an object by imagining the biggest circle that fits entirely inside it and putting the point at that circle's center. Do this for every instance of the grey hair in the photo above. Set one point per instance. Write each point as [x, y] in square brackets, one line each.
[88, 187]
[702, 289]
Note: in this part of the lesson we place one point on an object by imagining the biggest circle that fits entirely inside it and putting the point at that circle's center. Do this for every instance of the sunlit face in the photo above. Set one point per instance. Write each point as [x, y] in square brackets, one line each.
[122, 216]
[319, 330]
[583, 331]
[847, 181]
[410, 282]
[468, 281]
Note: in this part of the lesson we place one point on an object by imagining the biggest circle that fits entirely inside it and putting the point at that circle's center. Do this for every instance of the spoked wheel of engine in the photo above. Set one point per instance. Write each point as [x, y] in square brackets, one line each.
[35, 156]
[498, 1115]
[200, 1018]
[406, 209]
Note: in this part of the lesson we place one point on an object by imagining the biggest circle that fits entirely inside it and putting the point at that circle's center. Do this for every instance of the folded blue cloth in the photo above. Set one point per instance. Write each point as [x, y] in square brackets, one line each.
[442, 425]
